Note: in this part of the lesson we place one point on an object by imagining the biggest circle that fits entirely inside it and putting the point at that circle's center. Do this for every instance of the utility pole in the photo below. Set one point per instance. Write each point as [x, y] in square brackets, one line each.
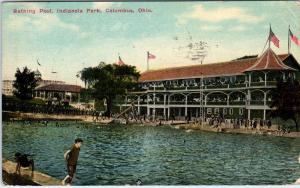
[198, 53]
[289, 42]
[147, 61]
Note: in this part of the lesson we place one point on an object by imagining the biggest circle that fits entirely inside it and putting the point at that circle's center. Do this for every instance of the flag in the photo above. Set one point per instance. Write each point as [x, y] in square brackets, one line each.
[293, 38]
[151, 56]
[120, 62]
[273, 38]
[38, 62]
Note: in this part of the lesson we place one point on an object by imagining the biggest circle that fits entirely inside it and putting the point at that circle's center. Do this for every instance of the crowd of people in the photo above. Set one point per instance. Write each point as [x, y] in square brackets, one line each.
[45, 109]
[239, 122]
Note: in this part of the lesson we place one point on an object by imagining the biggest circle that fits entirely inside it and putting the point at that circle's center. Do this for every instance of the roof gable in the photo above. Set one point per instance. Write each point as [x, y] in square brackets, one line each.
[269, 61]
[291, 61]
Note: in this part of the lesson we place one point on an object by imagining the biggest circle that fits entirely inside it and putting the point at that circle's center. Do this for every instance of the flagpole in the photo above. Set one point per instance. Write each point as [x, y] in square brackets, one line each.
[147, 61]
[269, 36]
[37, 66]
[289, 42]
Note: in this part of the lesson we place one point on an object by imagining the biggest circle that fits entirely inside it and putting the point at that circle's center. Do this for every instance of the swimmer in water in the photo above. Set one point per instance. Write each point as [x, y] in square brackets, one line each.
[138, 182]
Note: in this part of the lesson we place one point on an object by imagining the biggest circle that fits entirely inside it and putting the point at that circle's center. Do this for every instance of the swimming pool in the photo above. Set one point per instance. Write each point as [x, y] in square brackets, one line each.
[119, 155]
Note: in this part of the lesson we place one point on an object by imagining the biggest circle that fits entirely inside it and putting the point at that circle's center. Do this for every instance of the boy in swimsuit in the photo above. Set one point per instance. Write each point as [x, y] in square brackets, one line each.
[72, 157]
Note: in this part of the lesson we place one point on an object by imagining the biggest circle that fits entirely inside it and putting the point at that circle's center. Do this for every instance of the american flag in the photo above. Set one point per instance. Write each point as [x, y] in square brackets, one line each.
[273, 38]
[120, 62]
[293, 38]
[150, 56]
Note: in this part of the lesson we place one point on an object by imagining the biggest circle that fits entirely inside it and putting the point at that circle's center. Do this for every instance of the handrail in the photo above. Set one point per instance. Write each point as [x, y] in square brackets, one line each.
[126, 110]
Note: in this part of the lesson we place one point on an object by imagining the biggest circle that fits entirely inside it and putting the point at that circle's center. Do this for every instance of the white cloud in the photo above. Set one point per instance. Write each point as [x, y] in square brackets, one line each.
[219, 15]
[83, 34]
[237, 28]
[210, 28]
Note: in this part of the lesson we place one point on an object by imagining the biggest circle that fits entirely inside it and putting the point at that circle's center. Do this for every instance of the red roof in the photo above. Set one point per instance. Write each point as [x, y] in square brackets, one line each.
[234, 67]
[269, 61]
[60, 88]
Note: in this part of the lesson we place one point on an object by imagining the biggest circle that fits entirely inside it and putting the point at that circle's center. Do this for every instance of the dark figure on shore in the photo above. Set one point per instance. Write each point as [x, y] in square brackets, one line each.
[269, 124]
[173, 117]
[97, 116]
[93, 115]
[72, 156]
[254, 124]
[23, 161]
[261, 123]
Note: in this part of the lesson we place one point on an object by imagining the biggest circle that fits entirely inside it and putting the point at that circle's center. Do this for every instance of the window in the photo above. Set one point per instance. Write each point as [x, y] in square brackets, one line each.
[241, 111]
[208, 110]
[216, 110]
[230, 111]
[224, 111]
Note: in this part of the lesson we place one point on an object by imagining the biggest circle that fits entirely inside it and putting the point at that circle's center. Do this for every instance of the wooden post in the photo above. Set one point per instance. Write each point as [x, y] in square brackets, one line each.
[165, 96]
[139, 107]
[185, 110]
[265, 103]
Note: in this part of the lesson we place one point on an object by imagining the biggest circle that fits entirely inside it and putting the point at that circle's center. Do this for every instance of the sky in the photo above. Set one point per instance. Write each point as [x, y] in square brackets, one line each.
[67, 42]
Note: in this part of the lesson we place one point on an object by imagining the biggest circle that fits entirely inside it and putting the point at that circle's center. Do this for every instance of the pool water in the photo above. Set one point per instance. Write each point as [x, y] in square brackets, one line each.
[119, 155]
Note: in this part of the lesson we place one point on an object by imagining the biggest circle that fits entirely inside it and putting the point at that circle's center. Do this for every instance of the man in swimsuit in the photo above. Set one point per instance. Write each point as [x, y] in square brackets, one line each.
[72, 158]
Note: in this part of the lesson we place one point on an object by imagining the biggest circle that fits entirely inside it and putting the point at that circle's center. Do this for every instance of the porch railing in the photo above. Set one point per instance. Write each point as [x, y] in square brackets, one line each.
[257, 83]
[237, 85]
[177, 102]
[216, 102]
[237, 102]
[257, 102]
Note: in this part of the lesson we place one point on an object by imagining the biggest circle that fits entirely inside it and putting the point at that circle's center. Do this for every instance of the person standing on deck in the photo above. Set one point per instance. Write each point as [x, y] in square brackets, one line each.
[72, 156]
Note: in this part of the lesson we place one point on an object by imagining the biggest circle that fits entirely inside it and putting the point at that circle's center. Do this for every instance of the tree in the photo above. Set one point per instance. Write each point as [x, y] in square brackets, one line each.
[86, 95]
[286, 101]
[107, 81]
[24, 84]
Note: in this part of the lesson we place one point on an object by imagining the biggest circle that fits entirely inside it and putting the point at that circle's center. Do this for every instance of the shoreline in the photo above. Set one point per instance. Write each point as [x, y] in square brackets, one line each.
[258, 131]
[188, 127]
[17, 116]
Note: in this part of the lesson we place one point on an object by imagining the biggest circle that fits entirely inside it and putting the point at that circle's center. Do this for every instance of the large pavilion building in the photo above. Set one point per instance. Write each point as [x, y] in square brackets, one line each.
[63, 92]
[239, 88]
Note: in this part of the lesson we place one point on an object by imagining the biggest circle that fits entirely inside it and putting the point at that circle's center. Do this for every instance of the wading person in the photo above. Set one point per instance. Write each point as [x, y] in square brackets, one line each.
[71, 157]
